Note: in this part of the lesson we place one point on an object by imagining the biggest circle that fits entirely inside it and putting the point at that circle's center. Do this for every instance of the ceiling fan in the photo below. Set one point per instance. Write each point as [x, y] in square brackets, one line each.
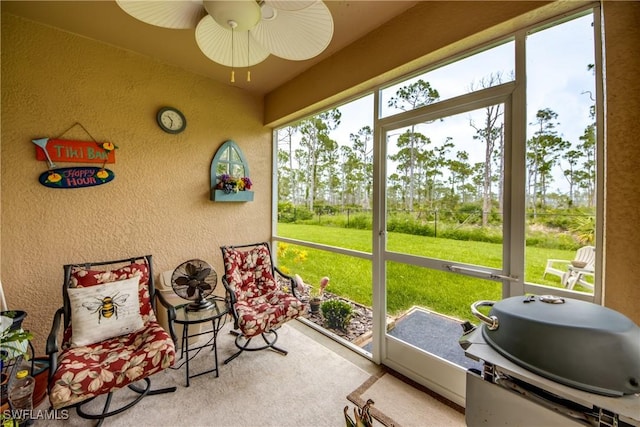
[242, 33]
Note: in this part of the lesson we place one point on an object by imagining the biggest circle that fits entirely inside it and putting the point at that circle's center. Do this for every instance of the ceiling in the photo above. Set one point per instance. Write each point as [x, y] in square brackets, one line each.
[106, 22]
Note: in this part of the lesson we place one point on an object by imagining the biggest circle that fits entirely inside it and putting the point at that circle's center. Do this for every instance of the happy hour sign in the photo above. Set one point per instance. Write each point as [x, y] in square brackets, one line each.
[76, 177]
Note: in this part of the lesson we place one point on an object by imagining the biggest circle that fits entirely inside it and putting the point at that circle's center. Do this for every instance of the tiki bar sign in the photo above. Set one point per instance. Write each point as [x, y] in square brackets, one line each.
[61, 150]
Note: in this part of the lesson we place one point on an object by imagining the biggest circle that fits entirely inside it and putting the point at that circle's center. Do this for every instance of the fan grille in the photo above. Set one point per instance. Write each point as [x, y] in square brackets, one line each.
[194, 280]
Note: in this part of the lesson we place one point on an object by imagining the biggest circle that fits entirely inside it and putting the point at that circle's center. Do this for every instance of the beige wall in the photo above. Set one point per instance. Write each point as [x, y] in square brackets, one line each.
[622, 194]
[158, 202]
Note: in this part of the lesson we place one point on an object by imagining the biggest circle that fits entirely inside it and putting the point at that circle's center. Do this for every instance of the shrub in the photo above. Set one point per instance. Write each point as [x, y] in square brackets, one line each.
[360, 222]
[337, 313]
[287, 212]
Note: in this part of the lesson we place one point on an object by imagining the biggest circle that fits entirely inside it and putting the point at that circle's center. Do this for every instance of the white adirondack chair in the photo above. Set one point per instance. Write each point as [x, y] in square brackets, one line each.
[572, 272]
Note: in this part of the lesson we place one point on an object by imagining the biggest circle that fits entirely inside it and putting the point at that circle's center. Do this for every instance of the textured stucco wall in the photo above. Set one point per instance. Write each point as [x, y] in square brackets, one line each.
[622, 194]
[158, 202]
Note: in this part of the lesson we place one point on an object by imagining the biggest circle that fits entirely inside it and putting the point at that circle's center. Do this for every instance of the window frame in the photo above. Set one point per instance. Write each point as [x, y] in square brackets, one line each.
[518, 132]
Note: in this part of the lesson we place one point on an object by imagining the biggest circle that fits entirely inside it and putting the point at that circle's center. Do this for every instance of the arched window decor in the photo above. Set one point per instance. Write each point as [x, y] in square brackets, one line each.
[230, 180]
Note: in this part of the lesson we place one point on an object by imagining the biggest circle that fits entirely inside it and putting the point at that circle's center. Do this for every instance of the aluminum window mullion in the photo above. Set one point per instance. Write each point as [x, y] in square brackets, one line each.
[379, 236]
[450, 107]
[515, 175]
[598, 292]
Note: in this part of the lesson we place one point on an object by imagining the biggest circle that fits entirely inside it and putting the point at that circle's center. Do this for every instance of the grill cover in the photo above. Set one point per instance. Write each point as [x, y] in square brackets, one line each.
[576, 343]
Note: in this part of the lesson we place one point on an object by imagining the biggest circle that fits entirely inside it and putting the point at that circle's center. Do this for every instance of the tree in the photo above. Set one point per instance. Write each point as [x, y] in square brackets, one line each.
[586, 175]
[489, 132]
[461, 171]
[287, 183]
[318, 147]
[410, 144]
[330, 181]
[349, 177]
[363, 150]
[396, 191]
[407, 98]
[430, 164]
[543, 152]
[572, 173]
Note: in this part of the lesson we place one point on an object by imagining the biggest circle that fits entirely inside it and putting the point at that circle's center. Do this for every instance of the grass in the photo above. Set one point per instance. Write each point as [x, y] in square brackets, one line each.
[407, 285]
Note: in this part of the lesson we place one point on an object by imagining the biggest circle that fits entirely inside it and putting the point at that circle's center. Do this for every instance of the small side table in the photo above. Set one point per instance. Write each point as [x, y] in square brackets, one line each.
[215, 314]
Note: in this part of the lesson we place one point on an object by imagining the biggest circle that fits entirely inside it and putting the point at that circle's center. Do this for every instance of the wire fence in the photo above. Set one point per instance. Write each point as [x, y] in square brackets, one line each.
[570, 228]
[328, 213]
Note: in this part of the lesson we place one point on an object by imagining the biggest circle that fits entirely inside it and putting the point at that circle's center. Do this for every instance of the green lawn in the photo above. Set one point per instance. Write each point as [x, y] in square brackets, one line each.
[407, 285]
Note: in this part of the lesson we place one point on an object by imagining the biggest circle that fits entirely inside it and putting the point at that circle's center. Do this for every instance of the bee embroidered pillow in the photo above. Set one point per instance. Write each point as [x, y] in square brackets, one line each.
[104, 311]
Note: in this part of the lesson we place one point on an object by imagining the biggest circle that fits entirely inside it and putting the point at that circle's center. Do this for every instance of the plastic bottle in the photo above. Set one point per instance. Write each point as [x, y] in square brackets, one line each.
[21, 397]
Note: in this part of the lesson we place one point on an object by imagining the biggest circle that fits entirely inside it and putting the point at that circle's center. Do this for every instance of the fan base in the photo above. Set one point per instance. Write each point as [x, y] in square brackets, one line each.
[199, 305]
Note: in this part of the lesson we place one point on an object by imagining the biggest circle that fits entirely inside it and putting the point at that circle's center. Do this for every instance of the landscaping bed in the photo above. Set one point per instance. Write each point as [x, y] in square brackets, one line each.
[359, 330]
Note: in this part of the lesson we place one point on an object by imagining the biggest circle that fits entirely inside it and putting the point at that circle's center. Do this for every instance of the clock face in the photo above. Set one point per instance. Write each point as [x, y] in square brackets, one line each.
[171, 120]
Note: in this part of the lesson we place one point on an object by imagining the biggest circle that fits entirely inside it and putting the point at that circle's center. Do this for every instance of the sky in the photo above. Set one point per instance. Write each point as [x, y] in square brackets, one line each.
[557, 78]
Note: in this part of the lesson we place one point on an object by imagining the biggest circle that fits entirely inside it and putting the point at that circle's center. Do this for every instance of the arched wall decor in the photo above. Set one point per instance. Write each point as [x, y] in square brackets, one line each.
[230, 180]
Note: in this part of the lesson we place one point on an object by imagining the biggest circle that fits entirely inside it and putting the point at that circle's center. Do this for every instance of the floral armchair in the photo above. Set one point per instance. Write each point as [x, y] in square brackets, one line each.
[110, 337]
[261, 297]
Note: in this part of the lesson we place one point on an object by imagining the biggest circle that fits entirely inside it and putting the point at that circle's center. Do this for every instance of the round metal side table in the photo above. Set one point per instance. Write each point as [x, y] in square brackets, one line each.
[215, 314]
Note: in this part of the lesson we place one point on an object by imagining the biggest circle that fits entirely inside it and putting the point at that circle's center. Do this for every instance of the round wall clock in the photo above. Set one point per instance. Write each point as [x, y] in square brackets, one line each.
[171, 120]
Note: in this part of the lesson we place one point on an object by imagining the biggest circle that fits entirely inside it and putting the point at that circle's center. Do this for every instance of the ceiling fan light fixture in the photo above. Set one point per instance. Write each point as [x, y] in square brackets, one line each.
[245, 13]
[218, 44]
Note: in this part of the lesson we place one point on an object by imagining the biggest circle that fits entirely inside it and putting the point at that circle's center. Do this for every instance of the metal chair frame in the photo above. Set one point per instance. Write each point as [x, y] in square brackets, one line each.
[64, 314]
[269, 337]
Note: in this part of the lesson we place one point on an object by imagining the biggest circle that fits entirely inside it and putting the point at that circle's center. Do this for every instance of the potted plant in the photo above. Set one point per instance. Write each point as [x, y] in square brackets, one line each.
[316, 299]
[14, 346]
[14, 339]
[17, 316]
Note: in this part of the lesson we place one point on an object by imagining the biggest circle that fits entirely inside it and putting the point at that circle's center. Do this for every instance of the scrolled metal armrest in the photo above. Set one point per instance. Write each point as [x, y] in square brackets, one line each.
[231, 301]
[163, 300]
[171, 315]
[291, 280]
[52, 339]
[52, 342]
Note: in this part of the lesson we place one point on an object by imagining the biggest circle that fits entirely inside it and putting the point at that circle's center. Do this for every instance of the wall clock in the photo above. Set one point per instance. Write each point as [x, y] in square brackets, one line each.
[171, 120]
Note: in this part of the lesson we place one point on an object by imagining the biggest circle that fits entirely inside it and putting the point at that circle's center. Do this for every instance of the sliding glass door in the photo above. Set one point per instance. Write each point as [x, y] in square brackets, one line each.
[444, 229]
[486, 195]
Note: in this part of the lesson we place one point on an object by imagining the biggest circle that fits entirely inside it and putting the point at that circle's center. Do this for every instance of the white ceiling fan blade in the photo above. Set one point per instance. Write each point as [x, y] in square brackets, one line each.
[290, 4]
[215, 42]
[296, 35]
[168, 14]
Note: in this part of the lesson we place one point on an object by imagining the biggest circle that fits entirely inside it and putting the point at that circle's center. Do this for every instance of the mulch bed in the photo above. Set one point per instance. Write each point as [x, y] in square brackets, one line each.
[360, 327]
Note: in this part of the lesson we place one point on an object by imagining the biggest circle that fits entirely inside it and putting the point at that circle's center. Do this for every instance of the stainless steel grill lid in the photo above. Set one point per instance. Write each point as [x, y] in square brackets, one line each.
[573, 342]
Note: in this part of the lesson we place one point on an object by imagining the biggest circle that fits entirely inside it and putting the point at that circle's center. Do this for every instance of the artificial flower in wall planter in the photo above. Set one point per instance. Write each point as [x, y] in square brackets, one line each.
[231, 189]
[230, 180]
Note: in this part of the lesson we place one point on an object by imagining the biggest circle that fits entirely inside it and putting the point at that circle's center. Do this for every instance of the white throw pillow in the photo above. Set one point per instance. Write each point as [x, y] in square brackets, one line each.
[104, 311]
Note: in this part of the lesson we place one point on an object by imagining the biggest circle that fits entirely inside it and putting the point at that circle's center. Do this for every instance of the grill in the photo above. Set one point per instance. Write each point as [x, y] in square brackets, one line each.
[516, 386]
